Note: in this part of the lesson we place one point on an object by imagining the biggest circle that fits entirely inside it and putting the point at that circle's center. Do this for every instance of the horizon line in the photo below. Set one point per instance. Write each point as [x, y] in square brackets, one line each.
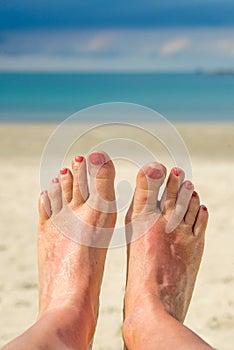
[124, 71]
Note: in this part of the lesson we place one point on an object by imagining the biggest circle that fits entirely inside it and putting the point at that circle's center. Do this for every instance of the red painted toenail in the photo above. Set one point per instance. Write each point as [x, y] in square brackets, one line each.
[188, 185]
[175, 171]
[97, 158]
[79, 159]
[204, 208]
[63, 171]
[55, 180]
[154, 173]
[195, 194]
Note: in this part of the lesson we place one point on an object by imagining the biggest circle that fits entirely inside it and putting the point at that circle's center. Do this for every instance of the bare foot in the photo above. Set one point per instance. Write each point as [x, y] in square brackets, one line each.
[162, 265]
[70, 274]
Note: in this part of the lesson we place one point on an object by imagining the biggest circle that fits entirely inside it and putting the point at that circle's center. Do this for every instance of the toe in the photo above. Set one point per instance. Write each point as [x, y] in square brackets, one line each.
[80, 183]
[181, 206]
[170, 193]
[201, 221]
[102, 174]
[66, 180]
[44, 207]
[55, 195]
[193, 209]
[149, 180]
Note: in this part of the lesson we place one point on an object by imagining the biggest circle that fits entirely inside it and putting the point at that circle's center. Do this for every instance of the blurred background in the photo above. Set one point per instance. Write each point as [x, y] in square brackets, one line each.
[60, 56]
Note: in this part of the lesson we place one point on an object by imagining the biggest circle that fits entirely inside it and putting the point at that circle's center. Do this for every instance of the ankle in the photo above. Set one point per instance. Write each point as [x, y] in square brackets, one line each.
[137, 311]
[83, 307]
[71, 326]
[142, 301]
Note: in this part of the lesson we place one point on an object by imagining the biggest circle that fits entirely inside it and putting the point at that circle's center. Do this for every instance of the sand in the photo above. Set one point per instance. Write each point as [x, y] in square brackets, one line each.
[211, 314]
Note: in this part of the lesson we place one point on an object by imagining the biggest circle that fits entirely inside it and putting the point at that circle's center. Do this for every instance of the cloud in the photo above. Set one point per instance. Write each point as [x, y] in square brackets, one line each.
[116, 50]
[100, 41]
[225, 46]
[174, 46]
[60, 42]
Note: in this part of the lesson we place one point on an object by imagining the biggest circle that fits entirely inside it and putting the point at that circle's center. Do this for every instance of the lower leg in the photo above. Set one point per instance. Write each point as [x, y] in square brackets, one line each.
[61, 329]
[152, 327]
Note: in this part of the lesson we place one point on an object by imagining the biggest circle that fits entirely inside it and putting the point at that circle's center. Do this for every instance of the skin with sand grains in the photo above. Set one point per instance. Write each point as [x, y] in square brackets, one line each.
[162, 266]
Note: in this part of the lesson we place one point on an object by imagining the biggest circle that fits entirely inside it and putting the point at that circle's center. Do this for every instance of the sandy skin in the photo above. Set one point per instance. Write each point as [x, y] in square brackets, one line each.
[70, 274]
[163, 263]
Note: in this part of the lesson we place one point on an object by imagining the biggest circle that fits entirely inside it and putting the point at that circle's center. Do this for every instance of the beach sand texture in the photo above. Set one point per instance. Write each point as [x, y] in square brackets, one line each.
[211, 314]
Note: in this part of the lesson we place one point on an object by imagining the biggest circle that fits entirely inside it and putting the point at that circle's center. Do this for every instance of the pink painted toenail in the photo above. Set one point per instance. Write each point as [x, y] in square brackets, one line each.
[79, 159]
[204, 208]
[188, 185]
[175, 171]
[55, 180]
[63, 171]
[194, 194]
[154, 173]
[97, 158]
[43, 193]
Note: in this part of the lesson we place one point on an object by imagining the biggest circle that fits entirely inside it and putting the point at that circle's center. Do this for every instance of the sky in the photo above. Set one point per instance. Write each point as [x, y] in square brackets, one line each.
[98, 35]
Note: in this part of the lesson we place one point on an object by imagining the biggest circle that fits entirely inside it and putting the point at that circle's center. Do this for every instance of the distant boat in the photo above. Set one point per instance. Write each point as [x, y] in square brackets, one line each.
[224, 71]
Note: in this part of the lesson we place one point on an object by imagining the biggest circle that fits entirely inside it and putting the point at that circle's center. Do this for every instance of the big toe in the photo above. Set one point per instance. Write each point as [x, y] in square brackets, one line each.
[148, 183]
[102, 175]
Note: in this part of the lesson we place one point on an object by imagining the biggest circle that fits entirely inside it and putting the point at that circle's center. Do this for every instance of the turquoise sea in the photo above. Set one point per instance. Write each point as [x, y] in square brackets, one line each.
[53, 97]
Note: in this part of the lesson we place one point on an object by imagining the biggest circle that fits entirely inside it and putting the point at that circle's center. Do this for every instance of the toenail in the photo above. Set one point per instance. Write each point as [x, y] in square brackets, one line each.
[154, 173]
[175, 171]
[43, 193]
[55, 180]
[195, 194]
[188, 185]
[204, 208]
[63, 171]
[79, 159]
[97, 158]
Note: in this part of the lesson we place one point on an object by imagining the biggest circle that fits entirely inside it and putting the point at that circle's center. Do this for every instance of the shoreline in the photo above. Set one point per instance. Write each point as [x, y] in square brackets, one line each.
[214, 140]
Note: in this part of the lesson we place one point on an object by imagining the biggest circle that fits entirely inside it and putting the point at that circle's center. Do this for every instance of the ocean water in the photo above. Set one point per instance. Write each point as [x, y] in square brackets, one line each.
[178, 97]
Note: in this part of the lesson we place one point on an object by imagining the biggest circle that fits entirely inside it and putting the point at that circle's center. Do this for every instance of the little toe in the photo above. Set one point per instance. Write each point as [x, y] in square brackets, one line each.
[44, 207]
[201, 221]
[102, 175]
[193, 209]
[80, 182]
[181, 206]
[66, 180]
[55, 195]
[149, 180]
[170, 193]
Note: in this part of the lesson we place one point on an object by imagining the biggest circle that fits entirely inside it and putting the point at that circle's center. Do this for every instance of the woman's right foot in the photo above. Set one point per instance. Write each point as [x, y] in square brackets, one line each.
[164, 261]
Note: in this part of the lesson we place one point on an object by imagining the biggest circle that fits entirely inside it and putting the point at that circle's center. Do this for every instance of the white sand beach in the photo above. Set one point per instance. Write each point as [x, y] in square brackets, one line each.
[211, 314]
